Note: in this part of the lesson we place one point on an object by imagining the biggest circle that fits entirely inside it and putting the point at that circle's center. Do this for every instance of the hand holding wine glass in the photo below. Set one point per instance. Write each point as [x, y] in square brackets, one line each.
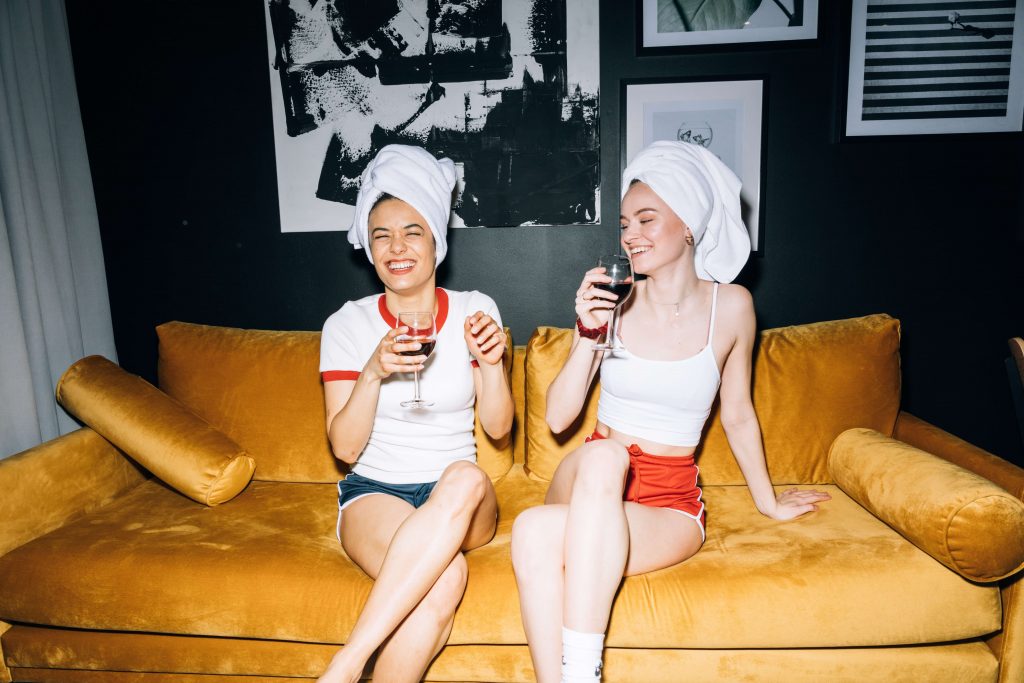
[615, 287]
[419, 329]
[594, 305]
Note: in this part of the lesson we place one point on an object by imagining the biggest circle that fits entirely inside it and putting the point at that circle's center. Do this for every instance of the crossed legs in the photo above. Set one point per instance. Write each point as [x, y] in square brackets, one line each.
[415, 558]
[570, 554]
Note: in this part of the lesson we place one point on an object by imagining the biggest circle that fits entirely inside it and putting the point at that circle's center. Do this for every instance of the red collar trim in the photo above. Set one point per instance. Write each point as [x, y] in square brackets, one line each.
[442, 310]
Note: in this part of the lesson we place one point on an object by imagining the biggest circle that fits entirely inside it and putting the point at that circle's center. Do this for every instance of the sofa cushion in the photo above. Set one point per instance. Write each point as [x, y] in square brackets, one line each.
[158, 432]
[269, 566]
[961, 519]
[263, 389]
[810, 383]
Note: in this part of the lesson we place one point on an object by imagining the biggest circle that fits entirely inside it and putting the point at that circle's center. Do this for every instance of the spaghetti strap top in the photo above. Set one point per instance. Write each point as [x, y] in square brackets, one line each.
[667, 402]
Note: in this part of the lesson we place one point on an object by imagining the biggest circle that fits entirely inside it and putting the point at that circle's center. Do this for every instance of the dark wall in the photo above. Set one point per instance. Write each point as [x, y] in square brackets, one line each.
[176, 104]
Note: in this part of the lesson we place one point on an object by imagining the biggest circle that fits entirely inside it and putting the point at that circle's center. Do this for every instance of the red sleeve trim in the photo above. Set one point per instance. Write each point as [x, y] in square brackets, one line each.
[334, 375]
[475, 363]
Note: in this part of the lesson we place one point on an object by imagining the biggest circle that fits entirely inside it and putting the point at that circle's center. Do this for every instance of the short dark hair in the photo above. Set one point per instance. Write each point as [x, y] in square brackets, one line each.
[384, 196]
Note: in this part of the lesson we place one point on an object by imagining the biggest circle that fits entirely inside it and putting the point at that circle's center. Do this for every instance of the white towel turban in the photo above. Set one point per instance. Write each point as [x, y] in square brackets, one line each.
[703, 192]
[413, 175]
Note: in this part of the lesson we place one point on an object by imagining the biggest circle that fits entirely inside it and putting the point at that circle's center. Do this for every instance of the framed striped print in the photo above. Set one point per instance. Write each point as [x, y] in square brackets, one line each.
[929, 66]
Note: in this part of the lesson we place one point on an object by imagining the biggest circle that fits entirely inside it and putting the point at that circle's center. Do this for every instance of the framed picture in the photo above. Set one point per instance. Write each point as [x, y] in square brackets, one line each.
[676, 23]
[508, 90]
[727, 117]
[935, 67]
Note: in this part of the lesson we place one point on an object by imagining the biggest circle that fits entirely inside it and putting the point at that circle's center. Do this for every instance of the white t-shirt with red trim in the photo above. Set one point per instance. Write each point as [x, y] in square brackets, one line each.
[410, 446]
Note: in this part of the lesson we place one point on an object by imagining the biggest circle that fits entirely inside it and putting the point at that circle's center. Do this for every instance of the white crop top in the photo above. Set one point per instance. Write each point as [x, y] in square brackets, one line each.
[665, 401]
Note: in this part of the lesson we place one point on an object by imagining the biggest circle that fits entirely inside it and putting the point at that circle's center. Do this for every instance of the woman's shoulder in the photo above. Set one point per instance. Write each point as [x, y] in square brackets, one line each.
[731, 293]
[735, 302]
[352, 311]
[470, 300]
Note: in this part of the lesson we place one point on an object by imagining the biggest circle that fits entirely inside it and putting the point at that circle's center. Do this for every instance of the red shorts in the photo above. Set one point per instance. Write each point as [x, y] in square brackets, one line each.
[663, 482]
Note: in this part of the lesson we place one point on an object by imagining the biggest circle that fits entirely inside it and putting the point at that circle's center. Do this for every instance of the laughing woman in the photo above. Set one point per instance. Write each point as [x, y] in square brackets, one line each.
[627, 502]
[415, 499]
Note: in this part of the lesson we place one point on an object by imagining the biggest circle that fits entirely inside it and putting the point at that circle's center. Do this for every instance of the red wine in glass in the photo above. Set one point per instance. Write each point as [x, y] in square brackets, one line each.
[620, 270]
[620, 289]
[426, 346]
[421, 328]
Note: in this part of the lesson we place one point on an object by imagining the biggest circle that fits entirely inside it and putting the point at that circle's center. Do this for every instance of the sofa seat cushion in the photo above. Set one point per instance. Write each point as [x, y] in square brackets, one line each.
[267, 565]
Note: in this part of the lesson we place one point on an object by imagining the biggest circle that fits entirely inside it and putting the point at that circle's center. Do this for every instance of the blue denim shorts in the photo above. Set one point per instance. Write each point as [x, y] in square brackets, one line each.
[354, 487]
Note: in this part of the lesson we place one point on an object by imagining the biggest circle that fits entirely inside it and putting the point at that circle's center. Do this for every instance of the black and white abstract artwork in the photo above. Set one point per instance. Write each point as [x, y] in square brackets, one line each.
[668, 23]
[935, 67]
[508, 89]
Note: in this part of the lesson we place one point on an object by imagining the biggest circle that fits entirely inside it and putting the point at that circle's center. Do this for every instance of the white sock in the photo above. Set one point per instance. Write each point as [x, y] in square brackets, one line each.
[581, 656]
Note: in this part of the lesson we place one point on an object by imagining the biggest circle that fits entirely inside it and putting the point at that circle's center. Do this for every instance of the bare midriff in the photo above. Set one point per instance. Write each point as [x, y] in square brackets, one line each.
[651, 447]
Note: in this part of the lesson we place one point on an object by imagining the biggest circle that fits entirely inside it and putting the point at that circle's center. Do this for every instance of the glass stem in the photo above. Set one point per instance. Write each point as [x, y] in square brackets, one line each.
[416, 384]
[610, 339]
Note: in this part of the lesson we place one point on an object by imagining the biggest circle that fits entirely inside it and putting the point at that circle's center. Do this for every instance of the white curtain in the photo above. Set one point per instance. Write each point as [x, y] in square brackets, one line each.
[53, 290]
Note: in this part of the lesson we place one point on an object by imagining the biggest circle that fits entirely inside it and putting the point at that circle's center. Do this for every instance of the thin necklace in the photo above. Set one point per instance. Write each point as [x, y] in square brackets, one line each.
[659, 303]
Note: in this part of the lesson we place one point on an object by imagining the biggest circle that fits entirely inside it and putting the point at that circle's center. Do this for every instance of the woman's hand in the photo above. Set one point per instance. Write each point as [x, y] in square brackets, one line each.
[387, 358]
[794, 502]
[485, 338]
[593, 305]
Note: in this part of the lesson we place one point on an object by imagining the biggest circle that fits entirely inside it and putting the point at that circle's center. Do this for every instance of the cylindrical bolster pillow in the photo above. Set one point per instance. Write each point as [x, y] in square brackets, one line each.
[161, 434]
[959, 518]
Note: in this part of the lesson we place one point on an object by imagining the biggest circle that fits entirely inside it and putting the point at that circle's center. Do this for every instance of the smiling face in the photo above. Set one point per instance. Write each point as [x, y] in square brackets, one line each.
[402, 246]
[652, 234]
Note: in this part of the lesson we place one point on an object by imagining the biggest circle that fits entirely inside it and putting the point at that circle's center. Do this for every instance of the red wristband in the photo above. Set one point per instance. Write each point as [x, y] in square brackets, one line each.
[590, 332]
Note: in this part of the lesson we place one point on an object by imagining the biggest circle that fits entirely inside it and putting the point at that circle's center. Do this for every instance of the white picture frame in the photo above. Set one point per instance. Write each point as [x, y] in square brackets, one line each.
[726, 116]
[683, 23]
[970, 81]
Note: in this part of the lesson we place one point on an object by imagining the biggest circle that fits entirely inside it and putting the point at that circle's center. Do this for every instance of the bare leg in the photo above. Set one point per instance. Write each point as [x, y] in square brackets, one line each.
[406, 654]
[656, 538]
[538, 544]
[460, 513]
[403, 656]
[596, 537]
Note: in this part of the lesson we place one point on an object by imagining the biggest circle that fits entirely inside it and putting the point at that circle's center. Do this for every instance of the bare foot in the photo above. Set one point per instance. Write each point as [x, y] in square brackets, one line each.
[341, 669]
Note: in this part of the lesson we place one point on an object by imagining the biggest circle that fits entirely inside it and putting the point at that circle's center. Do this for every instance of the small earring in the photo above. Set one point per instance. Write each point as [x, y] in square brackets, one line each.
[689, 240]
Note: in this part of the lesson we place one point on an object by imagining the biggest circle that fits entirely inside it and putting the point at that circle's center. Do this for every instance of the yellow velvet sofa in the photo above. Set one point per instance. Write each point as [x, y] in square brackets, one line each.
[108, 573]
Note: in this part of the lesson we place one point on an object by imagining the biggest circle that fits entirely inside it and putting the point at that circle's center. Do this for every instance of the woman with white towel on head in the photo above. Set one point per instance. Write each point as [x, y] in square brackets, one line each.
[415, 499]
[627, 501]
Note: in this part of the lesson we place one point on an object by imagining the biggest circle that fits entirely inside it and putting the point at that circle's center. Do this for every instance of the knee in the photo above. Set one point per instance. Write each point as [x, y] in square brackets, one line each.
[602, 471]
[449, 588]
[462, 487]
[536, 543]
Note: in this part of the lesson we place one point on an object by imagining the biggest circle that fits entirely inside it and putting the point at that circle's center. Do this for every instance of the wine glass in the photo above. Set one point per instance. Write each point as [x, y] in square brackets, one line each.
[620, 270]
[421, 329]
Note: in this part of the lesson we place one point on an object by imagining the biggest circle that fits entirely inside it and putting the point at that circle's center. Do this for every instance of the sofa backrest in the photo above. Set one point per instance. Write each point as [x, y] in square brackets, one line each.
[263, 389]
[810, 383]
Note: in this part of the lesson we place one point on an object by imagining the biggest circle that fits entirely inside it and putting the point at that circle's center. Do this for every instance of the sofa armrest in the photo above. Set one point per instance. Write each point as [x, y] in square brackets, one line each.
[920, 434]
[1008, 643]
[959, 518]
[46, 486]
